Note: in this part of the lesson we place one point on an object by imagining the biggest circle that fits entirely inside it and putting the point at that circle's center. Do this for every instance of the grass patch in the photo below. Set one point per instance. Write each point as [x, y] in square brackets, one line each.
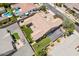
[16, 36]
[41, 45]
[27, 31]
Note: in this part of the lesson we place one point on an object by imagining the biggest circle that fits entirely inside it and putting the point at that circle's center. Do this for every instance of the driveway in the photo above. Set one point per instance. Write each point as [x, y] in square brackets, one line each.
[67, 46]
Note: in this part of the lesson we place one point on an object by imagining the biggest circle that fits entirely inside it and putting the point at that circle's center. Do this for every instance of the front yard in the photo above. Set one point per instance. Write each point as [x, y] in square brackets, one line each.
[40, 46]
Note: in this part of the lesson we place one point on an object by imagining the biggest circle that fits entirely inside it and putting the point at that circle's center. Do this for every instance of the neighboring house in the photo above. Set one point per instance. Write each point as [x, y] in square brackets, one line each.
[21, 8]
[6, 46]
[6, 42]
[2, 10]
[73, 7]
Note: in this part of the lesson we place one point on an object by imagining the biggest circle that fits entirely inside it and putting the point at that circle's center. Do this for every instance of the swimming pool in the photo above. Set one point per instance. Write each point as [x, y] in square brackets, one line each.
[7, 14]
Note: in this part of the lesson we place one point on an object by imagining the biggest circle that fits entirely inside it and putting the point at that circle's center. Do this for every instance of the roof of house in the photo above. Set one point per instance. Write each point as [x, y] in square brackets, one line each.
[24, 6]
[5, 41]
[71, 5]
[42, 23]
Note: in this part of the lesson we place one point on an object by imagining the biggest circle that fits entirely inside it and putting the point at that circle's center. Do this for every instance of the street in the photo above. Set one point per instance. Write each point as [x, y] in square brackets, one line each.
[53, 9]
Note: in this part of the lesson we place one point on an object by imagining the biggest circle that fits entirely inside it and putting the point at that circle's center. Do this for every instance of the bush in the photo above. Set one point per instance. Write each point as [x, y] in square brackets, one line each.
[52, 44]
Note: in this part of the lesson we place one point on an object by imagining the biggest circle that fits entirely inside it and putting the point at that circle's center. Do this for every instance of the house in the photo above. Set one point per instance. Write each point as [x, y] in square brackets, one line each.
[25, 48]
[21, 8]
[6, 46]
[73, 8]
[41, 24]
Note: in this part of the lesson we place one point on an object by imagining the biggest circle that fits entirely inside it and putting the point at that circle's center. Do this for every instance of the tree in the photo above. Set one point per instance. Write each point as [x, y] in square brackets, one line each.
[43, 8]
[69, 26]
[7, 5]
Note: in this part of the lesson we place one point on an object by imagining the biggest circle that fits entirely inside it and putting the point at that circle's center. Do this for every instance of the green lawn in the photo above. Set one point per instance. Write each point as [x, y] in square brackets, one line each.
[27, 31]
[16, 36]
[41, 45]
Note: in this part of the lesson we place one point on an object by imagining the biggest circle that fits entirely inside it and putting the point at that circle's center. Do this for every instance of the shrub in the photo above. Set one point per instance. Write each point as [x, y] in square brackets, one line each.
[58, 40]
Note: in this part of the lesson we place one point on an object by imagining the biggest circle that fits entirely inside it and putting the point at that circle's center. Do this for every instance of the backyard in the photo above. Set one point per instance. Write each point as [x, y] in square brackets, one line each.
[40, 46]
[27, 32]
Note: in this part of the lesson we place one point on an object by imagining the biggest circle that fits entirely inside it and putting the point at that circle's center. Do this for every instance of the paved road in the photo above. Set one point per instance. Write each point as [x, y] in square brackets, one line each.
[53, 9]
